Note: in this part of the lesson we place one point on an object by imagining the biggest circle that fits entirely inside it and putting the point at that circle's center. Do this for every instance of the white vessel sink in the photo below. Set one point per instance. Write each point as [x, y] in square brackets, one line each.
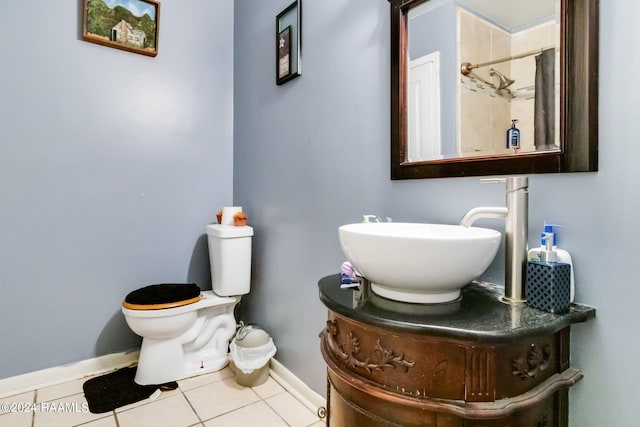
[420, 263]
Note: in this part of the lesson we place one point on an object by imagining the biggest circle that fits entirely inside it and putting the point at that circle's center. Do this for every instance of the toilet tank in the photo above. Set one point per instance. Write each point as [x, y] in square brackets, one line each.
[230, 258]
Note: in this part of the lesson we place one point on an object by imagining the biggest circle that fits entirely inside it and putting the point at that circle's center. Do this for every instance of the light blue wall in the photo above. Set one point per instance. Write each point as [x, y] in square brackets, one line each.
[314, 154]
[111, 165]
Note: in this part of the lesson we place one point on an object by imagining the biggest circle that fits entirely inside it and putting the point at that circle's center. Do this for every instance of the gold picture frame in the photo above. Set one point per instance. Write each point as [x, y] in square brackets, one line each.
[131, 25]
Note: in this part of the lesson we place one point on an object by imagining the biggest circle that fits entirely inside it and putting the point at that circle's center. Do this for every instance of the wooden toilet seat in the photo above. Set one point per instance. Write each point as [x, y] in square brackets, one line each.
[162, 296]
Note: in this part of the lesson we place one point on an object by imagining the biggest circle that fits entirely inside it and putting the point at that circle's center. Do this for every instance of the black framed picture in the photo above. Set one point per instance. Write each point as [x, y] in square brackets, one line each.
[284, 53]
[288, 43]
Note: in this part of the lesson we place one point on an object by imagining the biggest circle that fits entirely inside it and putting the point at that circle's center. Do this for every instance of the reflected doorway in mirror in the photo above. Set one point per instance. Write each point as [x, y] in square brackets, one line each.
[424, 108]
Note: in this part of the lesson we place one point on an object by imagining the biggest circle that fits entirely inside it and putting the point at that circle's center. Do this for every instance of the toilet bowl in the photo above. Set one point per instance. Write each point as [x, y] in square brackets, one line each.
[189, 335]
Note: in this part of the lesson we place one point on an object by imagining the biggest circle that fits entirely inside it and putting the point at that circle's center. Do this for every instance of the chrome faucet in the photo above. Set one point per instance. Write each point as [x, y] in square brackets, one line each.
[516, 215]
[374, 218]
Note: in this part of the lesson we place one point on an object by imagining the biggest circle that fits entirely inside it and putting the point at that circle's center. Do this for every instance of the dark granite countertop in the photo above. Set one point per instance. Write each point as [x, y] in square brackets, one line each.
[479, 315]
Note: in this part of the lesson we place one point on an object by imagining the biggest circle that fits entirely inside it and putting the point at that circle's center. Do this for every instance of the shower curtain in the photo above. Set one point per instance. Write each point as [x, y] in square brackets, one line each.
[545, 98]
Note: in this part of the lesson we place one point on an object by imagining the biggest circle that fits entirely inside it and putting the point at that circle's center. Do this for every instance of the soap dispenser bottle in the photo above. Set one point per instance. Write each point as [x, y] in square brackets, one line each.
[548, 282]
[563, 255]
[513, 136]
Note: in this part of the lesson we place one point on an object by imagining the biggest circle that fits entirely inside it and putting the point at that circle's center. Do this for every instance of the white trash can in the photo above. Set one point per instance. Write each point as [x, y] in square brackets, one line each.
[251, 350]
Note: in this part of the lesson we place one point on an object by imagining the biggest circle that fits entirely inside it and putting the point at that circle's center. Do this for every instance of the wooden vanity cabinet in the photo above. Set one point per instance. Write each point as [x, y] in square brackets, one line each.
[507, 367]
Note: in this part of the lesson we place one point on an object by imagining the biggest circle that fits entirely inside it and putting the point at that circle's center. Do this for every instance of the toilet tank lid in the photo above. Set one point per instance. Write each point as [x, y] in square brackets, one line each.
[229, 231]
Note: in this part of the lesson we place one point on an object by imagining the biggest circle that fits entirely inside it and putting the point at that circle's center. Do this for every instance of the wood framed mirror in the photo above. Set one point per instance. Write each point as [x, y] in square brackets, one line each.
[575, 46]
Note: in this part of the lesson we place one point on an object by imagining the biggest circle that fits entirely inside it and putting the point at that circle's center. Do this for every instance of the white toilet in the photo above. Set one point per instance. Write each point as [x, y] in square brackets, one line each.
[190, 337]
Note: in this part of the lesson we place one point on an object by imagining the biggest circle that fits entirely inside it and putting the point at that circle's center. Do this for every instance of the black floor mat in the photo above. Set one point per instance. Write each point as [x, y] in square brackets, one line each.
[108, 392]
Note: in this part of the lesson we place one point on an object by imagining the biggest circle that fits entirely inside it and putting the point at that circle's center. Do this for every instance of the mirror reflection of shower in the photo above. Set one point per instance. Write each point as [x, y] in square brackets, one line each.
[500, 78]
[466, 114]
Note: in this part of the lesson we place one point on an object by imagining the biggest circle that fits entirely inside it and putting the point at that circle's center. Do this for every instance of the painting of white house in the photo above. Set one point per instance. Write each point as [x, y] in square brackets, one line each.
[130, 25]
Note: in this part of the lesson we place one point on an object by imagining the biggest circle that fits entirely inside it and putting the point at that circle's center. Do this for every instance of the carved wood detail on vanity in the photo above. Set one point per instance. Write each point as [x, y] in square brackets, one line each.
[474, 363]
[529, 365]
[480, 374]
[349, 350]
[382, 377]
[417, 366]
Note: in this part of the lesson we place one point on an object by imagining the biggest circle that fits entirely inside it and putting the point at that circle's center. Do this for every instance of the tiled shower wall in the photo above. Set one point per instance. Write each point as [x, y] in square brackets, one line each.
[483, 115]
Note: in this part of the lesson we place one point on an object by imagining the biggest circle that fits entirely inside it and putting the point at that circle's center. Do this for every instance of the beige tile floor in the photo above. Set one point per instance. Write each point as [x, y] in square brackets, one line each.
[212, 400]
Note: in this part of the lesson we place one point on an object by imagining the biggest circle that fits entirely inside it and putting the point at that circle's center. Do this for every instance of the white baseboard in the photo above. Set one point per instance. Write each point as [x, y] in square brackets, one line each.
[60, 374]
[296, 387]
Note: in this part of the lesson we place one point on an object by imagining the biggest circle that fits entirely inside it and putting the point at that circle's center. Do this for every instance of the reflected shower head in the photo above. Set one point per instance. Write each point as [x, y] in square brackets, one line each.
[505, 81]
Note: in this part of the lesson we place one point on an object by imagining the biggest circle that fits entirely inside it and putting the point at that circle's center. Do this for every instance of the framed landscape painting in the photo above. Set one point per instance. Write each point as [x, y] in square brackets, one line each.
[130, 25]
